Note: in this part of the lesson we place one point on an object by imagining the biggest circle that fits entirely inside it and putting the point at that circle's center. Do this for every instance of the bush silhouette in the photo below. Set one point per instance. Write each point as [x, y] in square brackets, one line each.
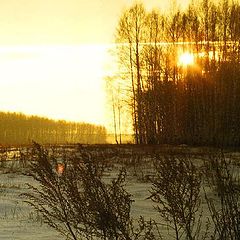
[77, 202]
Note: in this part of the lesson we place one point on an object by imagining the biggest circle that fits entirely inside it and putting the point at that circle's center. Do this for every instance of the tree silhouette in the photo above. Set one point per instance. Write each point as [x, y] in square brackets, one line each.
[171, 103]
[17, 128]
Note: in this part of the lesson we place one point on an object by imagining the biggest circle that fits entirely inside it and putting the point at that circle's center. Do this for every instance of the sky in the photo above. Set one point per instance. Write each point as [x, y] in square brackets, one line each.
[53, 56]
[63, 21]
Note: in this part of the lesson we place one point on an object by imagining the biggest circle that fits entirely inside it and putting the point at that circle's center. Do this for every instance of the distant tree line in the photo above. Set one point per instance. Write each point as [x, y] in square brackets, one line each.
[172, 102]
[17, 128]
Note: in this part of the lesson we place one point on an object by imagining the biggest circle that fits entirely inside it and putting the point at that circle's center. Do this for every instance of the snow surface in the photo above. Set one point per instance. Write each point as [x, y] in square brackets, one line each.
[18, 221]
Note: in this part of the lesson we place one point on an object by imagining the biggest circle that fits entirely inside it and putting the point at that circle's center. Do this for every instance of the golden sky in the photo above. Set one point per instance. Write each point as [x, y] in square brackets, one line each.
[62, 21]
[53, 57]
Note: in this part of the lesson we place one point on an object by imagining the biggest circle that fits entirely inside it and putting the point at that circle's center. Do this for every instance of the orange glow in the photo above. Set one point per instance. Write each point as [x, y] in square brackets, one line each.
[60, 168]
[186, 59]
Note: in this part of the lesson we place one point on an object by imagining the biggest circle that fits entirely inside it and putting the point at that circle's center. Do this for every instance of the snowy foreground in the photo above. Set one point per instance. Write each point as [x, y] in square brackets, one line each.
[18, 221]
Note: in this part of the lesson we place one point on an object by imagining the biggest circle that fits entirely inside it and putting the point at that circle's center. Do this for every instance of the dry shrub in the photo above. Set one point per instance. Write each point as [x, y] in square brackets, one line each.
[223, 179]
[176, 192]
[78, 203]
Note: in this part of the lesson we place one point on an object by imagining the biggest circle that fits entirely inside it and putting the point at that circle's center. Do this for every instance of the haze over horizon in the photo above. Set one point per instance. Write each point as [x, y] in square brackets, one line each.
[53, 56]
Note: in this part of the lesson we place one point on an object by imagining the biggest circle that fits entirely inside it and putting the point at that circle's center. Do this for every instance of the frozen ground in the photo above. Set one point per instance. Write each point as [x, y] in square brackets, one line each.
[18, 221]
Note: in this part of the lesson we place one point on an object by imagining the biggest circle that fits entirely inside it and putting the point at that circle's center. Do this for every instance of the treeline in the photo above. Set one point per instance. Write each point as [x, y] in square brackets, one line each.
[173, 101]
[17, 128]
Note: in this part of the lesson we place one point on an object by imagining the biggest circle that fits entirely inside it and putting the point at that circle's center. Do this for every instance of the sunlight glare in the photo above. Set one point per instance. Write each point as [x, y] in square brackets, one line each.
[60, 82]
[186, 59]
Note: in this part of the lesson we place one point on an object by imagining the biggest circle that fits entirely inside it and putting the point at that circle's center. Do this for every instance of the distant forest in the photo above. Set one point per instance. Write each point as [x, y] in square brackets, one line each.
[173, 103]
[17, 128]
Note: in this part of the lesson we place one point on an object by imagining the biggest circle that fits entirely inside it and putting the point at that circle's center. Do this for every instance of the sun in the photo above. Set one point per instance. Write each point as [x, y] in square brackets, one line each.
[186, 59]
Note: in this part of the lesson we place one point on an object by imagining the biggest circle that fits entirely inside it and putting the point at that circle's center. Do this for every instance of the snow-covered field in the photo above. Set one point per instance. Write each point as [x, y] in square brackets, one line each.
[18, 221]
